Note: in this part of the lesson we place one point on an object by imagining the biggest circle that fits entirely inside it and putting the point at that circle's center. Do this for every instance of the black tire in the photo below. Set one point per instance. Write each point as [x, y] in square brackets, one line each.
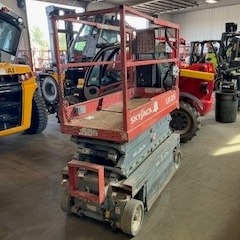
[50, 89]
[39, 116]
[66, 202]
[132, 217]
[185, 121]
[91, 92]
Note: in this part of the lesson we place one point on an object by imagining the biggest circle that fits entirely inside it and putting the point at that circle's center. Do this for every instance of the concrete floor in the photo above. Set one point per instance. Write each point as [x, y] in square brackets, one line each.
[202, 201]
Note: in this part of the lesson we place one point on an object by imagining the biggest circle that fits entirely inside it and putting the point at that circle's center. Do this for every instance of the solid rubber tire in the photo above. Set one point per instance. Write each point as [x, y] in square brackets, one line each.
[128, 214]
[66, 202]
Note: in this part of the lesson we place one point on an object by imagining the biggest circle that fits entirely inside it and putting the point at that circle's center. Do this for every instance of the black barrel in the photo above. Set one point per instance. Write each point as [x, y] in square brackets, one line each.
[226, 106]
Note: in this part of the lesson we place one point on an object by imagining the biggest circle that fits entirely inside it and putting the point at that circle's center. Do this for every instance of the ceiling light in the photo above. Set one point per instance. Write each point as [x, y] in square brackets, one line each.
[211, 1]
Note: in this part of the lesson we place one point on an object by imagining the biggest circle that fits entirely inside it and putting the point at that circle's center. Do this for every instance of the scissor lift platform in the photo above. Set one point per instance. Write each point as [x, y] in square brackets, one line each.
[103, 118]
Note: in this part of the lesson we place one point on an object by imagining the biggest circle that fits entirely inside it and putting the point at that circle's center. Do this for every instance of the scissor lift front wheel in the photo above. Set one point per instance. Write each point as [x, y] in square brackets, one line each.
[132, 217]
[66, 202]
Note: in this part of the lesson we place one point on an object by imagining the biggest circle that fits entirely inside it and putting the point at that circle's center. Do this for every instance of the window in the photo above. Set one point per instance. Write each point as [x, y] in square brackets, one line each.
[9, 37]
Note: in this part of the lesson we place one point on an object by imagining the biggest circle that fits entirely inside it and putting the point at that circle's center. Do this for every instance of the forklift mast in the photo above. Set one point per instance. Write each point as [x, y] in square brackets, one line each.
[230, 32]
[229, 38]
[67, 29]
[81, 39]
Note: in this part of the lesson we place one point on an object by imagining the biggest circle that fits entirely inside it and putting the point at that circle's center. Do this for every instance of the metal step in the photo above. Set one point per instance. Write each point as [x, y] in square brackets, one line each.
[76, 174]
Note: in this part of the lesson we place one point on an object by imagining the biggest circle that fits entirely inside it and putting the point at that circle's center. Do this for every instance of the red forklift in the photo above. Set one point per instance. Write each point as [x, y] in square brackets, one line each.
[196, 87]
[126, 151]
[196, 84]
[212, 63]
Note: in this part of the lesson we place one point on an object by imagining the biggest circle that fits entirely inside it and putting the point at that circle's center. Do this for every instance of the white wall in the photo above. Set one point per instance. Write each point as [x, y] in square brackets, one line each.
[206, 24]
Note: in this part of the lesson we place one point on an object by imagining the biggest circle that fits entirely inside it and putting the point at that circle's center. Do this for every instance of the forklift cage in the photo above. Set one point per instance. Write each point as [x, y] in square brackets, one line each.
[123, 115]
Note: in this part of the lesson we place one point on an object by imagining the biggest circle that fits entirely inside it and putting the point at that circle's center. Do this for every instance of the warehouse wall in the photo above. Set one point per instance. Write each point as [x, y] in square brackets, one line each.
[22, 13]
[206, 24]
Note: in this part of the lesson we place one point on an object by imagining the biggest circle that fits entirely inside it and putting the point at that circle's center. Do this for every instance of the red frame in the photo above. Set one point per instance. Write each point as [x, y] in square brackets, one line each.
[73, 167]
[126, 130]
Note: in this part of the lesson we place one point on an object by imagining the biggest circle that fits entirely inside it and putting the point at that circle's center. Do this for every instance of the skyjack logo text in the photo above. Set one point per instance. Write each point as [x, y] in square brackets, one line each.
[144, 112]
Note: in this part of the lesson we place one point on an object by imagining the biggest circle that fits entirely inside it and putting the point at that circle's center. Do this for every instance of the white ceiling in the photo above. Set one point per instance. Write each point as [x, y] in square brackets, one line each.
[154, 6]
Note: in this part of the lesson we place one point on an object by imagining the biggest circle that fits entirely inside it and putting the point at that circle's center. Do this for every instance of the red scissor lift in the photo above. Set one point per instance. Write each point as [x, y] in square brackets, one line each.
[126, 152]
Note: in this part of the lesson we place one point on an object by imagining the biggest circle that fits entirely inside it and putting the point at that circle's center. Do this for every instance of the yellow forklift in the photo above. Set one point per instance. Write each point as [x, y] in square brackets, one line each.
[21, 105]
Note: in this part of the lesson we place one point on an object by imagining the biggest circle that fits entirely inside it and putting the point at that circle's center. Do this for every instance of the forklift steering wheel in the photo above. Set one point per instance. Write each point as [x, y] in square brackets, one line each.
[110, 77]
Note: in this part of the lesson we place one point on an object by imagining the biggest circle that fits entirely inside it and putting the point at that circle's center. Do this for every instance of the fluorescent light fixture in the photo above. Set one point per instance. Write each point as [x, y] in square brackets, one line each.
[211, 1]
